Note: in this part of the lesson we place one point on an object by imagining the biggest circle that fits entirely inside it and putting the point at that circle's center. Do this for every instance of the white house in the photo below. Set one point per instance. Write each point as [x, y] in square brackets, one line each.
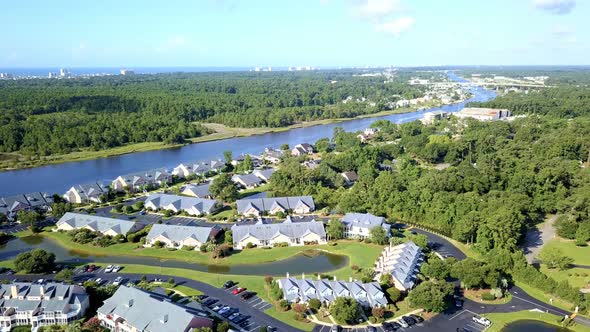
[302, 149]
[176, 236]
[191, 205]
[40, 304]
[402, 262]
[359, 225]
[288, 232]
[274, 205]
[103, 225]
[142, 180]
[89, 192]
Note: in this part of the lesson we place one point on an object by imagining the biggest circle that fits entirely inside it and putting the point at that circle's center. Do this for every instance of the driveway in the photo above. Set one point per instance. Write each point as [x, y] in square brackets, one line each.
[536, 238]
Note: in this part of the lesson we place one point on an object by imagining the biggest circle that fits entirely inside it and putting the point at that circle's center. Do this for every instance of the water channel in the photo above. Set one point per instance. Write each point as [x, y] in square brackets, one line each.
[308, 261]
[58, 178]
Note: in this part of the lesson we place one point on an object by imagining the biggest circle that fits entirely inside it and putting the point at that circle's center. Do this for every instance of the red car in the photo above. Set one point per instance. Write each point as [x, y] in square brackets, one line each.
[238, 290]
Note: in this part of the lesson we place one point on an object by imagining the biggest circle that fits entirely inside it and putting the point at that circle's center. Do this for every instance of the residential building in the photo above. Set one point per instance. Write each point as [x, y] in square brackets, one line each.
[368, 295]
[302, 149]
[10, 206]
[264, 174]
[127, 72]
[359, 225]
[483, 114]
[142, 180]
[350, 177]
[104, 225]
[84, 193]
[185, 170]
[134, 310]
[287, 232]
[311, 164]
[176, 236]
[256, 160]
[402, 262]
[274, 205]
[272, 155]
[200, 190]
[247, 181]
[40, 304]
[191, 205]
[431, 117]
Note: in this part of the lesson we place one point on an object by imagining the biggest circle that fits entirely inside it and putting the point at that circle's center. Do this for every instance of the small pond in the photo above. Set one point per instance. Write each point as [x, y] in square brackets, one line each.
[532, 326]
[309, 261]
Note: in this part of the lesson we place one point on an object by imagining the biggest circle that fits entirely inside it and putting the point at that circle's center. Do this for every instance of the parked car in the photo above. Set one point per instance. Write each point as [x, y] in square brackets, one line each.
[246, 295]
[238, 290]
[217, 307]
[371, 329]
[202, 298]
[91, 268]
[335, 328]
[390, 327]
[117, 281]
[482, 320]
[271, 329]
[242, 318]
[108, 269]
[458, 303]
[230, 312]
[233, 316]
[116, 268]
[403, 323]
[417, 318]
[223, 310]
[229, 284]
[98, 281]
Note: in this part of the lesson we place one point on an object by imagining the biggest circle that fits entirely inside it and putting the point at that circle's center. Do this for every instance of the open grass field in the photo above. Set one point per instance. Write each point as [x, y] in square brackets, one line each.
[577, 277]
[360, 254]
[580, 255]
[500, 320]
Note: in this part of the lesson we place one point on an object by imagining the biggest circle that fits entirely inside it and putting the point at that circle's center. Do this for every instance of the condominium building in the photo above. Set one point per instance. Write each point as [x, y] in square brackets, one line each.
[402, 262]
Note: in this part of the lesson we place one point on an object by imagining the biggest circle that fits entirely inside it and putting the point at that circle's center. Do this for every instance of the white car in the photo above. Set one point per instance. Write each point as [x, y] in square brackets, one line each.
[233, 316]
[108, 269]
[117, 281]
[98, 281]
[116, 268]
[482, 320]
[217, 308]
[223, 310]
[403, 323]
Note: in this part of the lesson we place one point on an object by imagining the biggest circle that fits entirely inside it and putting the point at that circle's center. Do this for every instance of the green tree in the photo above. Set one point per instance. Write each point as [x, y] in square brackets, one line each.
[583, 234]
[224, 188]
[35, 261]
[228, 157]
[554, 258]
[322, 145]
[65, 275]
[378, 235]
[394, 294]
[431, 296]
[60, 208]
[335, 229]
[30, 218]
[344, 310]
[436, 269]
[284, 146]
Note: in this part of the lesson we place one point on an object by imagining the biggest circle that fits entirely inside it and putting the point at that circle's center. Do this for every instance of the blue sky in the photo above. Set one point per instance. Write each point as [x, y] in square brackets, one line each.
[203, 33]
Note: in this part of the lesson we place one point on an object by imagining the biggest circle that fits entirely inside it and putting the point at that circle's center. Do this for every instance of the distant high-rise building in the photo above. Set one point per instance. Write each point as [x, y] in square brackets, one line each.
[257, 69]
[127, 72]
[64, 72]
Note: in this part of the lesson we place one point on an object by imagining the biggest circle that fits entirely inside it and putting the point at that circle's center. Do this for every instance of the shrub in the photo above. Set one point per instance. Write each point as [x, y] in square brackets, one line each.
[158, 244]
[283, 305]
[299, 316]
[314, 304]
[171, 281]
[203, 247]
[488, 297]
[188, 248]
[299, 308]
[268, 280]
[355, 267]
[250, 245]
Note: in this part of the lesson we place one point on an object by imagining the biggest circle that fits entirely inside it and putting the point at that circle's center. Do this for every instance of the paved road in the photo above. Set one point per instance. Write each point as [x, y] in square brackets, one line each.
[536, 238]
[253, 307]
[15, 228]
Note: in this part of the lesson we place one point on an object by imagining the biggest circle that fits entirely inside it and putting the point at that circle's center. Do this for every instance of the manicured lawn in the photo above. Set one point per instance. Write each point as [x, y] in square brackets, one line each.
[576, 277]
[500, 320]
[580, 255]
[361, 254]
[224, 213]
[541, 296]
[253, 191]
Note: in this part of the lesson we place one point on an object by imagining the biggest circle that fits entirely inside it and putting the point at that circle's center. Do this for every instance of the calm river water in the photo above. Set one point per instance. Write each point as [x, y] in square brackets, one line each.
[59, 178]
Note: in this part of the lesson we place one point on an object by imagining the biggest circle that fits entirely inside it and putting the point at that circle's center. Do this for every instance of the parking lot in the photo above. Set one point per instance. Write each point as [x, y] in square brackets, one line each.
[464, 319]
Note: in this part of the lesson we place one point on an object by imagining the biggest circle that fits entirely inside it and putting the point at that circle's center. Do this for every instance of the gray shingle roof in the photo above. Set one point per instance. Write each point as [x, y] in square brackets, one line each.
[266, 204]
[368, 294]
[200, 190]
[147, 312]
[405, 263]
[246, 179]
[182, 202]
[364, 220]
[178, 233]
[266, 232]
[27, 201]
[101, 224]
[150, 176]
[51, 301]
[264, 174]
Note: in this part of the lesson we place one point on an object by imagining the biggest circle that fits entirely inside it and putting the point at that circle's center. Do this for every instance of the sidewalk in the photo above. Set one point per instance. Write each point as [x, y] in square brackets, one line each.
[314, 319]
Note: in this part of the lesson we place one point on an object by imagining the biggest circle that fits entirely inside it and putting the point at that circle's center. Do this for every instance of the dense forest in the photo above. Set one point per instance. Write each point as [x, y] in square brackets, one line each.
[499, 177]
[558, 75]
[44, 117]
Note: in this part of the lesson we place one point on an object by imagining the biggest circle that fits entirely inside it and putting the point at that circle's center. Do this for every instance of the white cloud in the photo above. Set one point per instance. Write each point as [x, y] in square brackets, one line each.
[561, 30]
[557, 7]
[395, 27]
[375, 9]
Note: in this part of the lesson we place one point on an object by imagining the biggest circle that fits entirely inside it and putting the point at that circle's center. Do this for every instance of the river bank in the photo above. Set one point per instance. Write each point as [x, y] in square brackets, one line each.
[15, 161]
